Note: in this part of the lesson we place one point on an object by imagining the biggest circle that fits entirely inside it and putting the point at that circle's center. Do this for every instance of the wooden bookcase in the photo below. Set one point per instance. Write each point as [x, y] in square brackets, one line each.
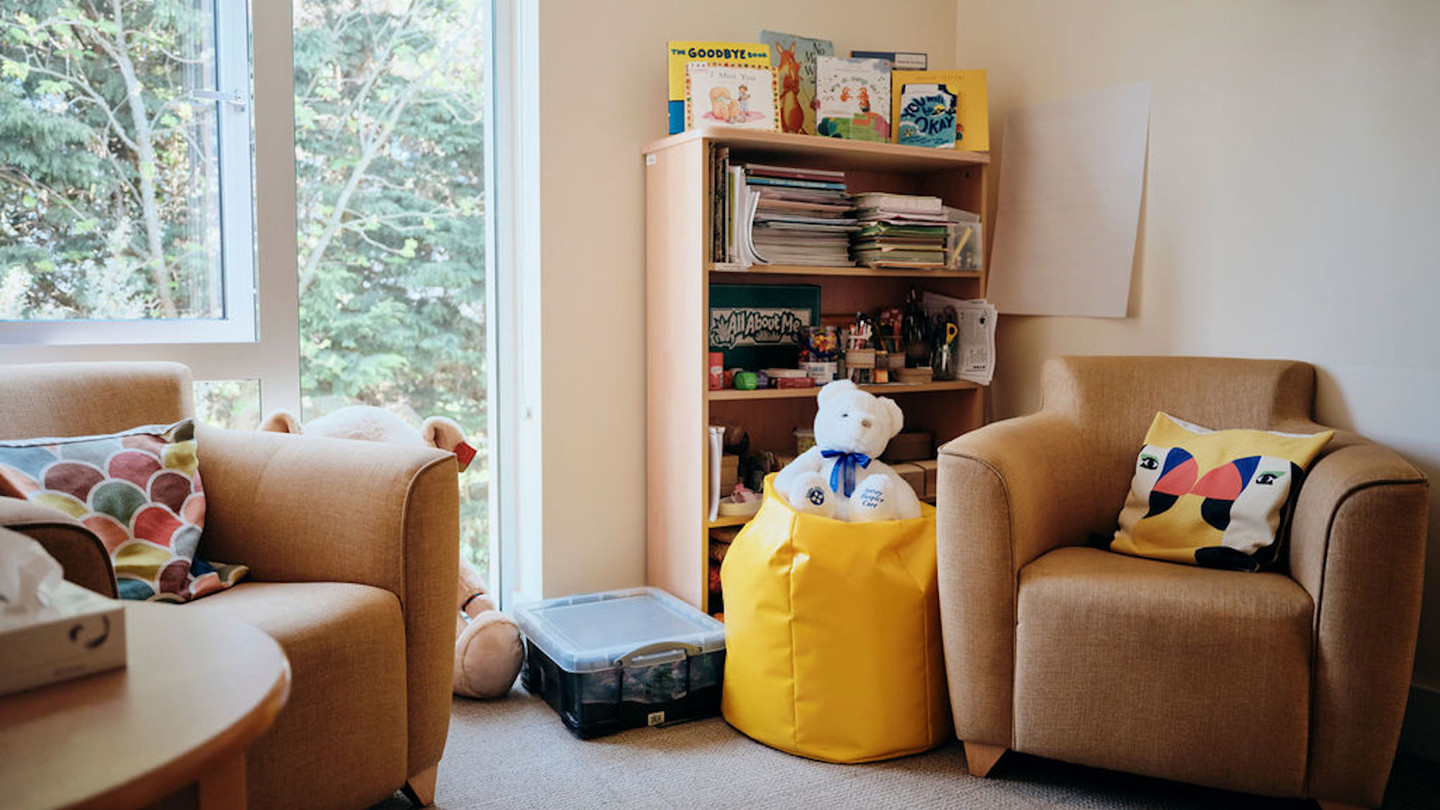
[679, 272]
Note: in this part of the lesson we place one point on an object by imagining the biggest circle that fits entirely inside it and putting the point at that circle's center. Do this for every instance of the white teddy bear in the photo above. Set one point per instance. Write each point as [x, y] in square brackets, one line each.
[841, 476]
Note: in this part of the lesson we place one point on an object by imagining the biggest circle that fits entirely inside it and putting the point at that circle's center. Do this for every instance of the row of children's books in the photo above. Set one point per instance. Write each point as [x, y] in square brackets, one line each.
[791, 215]
[796, 84]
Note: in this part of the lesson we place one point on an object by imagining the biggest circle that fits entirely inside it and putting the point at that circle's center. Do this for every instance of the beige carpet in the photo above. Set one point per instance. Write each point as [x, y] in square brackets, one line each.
[515, 753]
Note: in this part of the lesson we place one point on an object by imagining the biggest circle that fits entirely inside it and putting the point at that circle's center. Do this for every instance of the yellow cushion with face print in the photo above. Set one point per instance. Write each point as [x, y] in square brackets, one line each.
[1217, 498]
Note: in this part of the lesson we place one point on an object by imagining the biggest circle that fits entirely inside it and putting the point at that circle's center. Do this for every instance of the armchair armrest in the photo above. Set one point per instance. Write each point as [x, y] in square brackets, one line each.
[79, 552]
[302, 508]
[309, 509]
[1007, 493]
[1357, 545]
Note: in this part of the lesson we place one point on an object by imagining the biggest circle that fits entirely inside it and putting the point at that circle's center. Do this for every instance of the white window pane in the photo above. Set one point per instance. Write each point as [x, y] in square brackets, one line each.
[111, 196]
[233, 404]
[390, 156]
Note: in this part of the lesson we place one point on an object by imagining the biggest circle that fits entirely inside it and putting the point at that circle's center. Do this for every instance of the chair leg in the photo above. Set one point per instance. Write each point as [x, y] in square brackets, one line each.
[420, 788]
[1329, 805]
[981, 757]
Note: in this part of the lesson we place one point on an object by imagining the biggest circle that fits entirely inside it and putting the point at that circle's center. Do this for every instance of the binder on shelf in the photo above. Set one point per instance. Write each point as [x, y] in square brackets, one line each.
[717, 448]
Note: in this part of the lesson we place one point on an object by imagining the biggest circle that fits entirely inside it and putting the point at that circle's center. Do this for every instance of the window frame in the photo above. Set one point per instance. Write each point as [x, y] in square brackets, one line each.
[233, 98]
[514, 250]
[272, 352]
[272, 356]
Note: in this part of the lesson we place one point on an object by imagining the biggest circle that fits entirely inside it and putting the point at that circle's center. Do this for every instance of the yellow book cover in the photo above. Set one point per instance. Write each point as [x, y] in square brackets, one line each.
[972, 109]
[739, 54]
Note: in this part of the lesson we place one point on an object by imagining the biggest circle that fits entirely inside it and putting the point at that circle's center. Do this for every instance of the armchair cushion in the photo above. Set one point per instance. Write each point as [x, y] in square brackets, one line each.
[340, 742]
[1164, 670]
[139, 491]
[1215, 498]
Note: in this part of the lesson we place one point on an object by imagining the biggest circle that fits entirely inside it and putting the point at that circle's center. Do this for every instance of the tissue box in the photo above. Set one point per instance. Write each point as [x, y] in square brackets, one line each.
[85, 634]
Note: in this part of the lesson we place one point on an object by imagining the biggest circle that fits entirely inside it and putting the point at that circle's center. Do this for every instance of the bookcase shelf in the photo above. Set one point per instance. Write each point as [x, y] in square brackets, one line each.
[867, 272]
[729, 520]
[881, 390]
[679, 273]
[837, 153]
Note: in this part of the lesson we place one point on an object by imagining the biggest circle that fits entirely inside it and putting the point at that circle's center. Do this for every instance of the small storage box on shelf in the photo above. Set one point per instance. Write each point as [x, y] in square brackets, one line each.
[622, 659]
[678, 278]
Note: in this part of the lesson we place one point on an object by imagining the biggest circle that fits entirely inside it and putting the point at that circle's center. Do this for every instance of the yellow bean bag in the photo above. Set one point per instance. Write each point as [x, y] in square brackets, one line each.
[832, 634]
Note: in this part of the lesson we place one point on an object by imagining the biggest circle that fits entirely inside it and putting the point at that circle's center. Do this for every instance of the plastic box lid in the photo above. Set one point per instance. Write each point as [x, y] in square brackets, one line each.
[592, 632]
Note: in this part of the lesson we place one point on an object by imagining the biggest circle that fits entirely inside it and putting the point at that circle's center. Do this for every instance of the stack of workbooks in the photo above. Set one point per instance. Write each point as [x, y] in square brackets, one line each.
[900, 231]
[786, 215]
[802, 215]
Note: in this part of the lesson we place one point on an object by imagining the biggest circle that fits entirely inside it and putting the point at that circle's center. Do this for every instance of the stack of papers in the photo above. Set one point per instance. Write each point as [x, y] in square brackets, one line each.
[976, 324]
[900, 231]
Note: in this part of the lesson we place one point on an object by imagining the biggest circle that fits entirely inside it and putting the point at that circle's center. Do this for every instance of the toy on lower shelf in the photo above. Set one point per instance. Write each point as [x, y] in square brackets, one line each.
[740, 502]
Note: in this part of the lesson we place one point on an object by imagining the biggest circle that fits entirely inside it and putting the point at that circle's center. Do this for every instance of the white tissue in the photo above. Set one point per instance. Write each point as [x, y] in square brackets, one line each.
[28, 579]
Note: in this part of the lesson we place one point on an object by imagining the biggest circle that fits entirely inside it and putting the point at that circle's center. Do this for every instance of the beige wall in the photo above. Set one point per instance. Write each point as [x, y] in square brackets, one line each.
[603, 91]
[1291, 195]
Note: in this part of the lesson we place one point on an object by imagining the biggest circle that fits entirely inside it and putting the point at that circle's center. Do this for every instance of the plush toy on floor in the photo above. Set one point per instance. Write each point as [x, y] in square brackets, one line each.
[488, 649]
[841, 476]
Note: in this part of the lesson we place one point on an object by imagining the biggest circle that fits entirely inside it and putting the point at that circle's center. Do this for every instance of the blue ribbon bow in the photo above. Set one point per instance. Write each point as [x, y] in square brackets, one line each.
[846, 462]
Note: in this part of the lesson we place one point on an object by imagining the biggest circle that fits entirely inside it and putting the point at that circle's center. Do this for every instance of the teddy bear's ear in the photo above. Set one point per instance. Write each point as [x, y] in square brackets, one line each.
[831, 390]
[442, 433]
[281, 421]
[897, 416]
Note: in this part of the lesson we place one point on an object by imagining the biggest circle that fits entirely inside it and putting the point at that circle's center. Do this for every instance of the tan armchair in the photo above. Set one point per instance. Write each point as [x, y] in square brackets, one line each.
[353, 551]
[1286, 683]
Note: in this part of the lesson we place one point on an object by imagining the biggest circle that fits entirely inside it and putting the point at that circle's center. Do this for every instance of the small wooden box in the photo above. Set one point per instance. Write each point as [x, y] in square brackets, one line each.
[913, 475]
[930, 466]
[729, 473]
[909, 446]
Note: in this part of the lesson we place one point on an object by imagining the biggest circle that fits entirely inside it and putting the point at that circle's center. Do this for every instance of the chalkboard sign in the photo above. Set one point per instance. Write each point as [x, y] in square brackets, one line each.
[756, 325]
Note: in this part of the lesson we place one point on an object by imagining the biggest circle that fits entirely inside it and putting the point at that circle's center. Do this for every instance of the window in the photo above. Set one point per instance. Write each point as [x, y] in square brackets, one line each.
[390, 171]
[125, 172]
[322, 239]
[233, 404]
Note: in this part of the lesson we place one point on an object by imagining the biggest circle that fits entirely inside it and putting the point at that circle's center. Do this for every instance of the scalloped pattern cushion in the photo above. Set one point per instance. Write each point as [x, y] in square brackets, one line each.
[139, 491]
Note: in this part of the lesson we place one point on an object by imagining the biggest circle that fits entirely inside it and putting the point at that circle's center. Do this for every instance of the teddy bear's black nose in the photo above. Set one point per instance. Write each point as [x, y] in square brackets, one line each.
[865, 423]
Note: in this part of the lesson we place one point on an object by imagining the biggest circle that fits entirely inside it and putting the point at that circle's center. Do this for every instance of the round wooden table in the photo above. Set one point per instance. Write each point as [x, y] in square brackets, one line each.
[172, 725]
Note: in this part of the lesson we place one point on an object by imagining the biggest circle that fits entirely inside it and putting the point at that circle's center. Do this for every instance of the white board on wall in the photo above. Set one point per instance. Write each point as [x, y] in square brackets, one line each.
[1071, 175]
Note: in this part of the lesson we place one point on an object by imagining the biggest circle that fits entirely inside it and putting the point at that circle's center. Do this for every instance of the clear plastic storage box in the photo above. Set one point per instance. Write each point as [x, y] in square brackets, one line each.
[622, 659]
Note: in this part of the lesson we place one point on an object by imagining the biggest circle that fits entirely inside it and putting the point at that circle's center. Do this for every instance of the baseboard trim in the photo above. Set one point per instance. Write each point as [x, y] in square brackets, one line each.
[1420, 735]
